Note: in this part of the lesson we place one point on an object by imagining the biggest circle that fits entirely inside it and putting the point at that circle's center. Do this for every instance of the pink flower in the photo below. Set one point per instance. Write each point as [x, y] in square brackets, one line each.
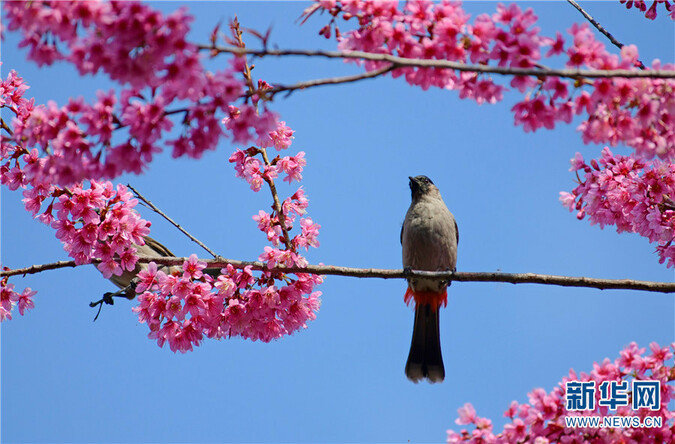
[275, 257]
[110, 267]
[149, 278]
[225, 285]
[7, 295]
[467, 415]
[629, 53]
[280, 138]
[296, 204]
[293, 166]
[10, 298]
[174, 309]
[193, 268]
[310, 232]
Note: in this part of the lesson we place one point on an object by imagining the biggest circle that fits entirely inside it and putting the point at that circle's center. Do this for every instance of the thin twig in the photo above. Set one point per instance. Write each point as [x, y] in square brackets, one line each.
[6, 127]
[512, 278]
[400, 62]
[270, 182]
[242, 46]
[277, 202]
[329, 81]
[171, 221]
[600, 28]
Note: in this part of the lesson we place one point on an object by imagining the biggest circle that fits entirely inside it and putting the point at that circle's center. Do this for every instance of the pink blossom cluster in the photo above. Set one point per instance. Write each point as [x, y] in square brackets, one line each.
[542, 419]
[49, 150]
[441, 31]
[251, 166]
[635, 112]
[149, 55]
[9, 298]
[94, 222]
[629, 192]
[253, 169]
[256, 171]
[127, 40]
[100, 222]
[641, 5]
[97, 222]
[14, 173]
[184, 307]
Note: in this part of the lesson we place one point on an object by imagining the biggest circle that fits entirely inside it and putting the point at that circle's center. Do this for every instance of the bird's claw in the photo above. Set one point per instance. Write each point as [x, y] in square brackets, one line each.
[128, 292]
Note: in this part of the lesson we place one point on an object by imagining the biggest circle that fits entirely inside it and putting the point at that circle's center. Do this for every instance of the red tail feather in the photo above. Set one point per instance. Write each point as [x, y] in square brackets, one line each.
[433, 298]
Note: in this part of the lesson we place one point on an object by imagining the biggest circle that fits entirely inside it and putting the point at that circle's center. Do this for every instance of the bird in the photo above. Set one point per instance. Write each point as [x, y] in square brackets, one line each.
[152, 247]
[429, 239]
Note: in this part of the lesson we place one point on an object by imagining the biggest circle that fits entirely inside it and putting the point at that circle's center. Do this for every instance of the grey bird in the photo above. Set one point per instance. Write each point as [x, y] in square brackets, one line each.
[429, 239]
[154, 248]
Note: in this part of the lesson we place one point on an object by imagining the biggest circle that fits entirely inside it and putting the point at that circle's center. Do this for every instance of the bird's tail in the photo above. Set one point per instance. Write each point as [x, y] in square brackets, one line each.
[425, 359]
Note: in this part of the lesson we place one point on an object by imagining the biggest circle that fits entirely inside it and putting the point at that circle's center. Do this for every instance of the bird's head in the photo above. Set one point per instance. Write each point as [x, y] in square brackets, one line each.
[421, 186]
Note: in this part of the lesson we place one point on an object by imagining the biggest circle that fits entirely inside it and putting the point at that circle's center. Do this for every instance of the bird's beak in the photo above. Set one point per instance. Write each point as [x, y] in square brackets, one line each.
[414, 184]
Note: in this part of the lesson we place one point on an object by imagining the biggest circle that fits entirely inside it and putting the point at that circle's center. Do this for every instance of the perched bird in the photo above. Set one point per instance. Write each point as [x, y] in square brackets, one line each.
[152, 247]
[429, 239]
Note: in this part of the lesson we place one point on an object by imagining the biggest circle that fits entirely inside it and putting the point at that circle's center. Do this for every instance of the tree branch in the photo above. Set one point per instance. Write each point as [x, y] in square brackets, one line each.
[6, 127]
[263, 151]
[401, 62]
[329, 81]
[276, 202]
[600, 28]
[512, 278]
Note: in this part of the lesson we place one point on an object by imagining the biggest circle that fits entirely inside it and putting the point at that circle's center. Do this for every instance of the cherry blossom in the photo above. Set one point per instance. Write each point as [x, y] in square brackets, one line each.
[188, 305]
[9, 299]
[639, 117]
[121, 131]
[542, 418]
[629, 192]
[182, 310]
[650, 13]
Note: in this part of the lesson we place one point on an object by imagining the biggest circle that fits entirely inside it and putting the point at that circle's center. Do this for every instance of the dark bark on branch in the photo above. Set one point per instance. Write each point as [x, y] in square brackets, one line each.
[512, 278]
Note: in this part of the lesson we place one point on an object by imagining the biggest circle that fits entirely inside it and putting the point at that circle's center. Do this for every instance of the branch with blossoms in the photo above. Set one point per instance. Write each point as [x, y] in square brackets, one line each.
[62, 156]
[49, 151]
[629, 192]
[602, 30]
[395, 62]
[161, 70]
[442, 36]
[98, 225]
[542, 419]
[333, 270]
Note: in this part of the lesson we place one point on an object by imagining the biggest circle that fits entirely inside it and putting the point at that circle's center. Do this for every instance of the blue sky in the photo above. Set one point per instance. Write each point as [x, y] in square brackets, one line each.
[68, 379]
